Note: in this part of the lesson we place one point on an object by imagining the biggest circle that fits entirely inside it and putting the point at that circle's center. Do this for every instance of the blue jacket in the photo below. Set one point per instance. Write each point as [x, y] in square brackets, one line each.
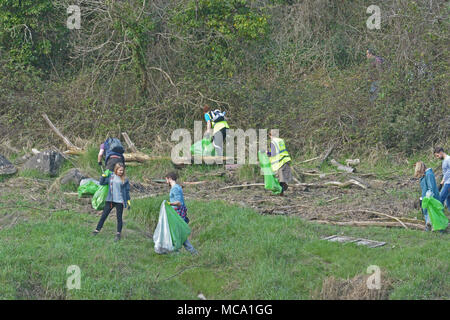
[428, 182]
[125, 189]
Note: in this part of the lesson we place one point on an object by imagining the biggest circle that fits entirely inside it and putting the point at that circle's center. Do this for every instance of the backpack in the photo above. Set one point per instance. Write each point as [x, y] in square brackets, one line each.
[217, 115]
[113, 145]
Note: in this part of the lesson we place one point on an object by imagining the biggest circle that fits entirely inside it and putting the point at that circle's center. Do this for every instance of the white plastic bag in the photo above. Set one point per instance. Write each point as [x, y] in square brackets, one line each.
[161, 236]
[84, 181]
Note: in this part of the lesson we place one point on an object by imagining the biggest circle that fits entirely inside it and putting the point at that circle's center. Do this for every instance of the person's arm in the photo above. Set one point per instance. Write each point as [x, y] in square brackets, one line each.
[431, 182]
[127, 193]
[208, 127]
[100, 156]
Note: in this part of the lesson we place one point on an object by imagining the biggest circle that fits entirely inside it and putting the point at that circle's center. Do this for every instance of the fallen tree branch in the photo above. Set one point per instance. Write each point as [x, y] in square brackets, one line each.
[243, 185]
[327, 154]
[346, 184]
[377, 213]
[129, 142]
[193, 182]
[332, 184]
[309, 160]
[342, 167]
[69, 144]
[33, 208]
[368, 224]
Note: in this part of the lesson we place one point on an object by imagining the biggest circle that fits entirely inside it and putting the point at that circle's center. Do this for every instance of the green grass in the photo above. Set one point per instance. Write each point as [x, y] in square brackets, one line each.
[243, 256]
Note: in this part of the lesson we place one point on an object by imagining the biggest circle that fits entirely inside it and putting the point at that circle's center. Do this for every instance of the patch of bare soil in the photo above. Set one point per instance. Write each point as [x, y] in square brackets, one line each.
[383, 203]
[390, 203]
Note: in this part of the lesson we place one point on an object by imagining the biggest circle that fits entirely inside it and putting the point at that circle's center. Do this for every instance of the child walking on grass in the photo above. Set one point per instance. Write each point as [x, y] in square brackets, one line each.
[177, 202]
[118, 197]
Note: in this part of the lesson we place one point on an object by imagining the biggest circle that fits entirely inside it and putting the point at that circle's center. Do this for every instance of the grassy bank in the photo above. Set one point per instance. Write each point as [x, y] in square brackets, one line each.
[243, 255]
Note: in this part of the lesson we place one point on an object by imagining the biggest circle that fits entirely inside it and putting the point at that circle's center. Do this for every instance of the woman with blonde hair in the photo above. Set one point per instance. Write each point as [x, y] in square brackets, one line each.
[428, 185]
[118, 197]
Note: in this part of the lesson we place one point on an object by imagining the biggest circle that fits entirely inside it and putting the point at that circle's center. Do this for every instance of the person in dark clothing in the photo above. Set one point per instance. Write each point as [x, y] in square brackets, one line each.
[111, 157]
[118, 197]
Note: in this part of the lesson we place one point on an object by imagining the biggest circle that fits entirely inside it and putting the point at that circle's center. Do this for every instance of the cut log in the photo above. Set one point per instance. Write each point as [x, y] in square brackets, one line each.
[129, 142]
[142, 157]
[69, 144]
[342, 167]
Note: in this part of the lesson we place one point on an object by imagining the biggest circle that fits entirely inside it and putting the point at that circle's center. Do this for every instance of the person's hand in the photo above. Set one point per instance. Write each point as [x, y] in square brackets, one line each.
[100, 163]
[129, 204]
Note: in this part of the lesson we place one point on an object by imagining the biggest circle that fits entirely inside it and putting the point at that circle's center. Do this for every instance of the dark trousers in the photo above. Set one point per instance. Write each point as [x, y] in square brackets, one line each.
[218, 141]
[112, 163]
[106, 210]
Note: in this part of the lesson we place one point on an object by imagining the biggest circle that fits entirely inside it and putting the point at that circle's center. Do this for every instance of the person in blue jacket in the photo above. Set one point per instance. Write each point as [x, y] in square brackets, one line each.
[177, 202]
[118, 197]
[428, 185]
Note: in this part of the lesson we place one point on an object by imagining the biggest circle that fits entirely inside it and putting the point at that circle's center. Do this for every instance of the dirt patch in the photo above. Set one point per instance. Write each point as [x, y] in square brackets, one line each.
[32, 289]
[354, 289]
[395, 198]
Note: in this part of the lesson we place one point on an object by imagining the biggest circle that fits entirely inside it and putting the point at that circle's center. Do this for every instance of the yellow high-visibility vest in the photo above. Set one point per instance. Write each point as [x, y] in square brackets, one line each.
[280, 155]
[217, 126]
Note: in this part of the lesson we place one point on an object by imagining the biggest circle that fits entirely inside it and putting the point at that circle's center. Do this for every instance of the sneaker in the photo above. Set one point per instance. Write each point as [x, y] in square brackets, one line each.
[193, 252]
[94, 233]
[117, 238]
[428, 227]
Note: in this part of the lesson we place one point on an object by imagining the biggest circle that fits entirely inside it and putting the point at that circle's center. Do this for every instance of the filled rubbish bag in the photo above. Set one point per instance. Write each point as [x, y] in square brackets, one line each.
[99, 198]
[84, 181]
[87, 187]
[436, 213]
[203, 147]
[171, 232]
[270, 181]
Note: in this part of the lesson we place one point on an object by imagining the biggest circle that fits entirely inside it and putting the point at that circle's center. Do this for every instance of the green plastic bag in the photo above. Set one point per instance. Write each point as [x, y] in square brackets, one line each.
[87, 189]
[436, 213]
[203, 147]
[270, 181]
[99, 198]
[179, 229]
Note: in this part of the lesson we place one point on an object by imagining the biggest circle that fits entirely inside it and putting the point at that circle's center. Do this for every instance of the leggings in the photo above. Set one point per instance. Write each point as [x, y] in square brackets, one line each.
[106, 210]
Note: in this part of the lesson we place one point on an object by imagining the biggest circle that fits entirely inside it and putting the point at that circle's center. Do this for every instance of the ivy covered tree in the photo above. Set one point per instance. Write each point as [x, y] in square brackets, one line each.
[32, 32]
[222, 26]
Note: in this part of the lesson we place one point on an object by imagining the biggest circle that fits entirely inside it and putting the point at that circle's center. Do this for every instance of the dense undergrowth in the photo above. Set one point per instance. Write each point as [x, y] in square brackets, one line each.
[292, 65]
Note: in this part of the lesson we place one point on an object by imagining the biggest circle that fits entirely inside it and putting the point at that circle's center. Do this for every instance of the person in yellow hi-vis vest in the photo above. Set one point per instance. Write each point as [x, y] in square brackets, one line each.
[280, 160]
[217, 127]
